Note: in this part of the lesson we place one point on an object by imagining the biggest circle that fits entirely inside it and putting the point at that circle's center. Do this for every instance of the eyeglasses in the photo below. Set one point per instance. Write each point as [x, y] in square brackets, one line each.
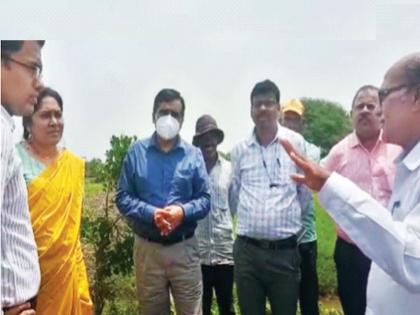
[362, 106]
[36, 69]
[266, 103]
[384, 93]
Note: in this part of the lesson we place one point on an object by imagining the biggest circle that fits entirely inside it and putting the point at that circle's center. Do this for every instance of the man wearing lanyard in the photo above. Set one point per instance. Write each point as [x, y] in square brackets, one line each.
[268, 205]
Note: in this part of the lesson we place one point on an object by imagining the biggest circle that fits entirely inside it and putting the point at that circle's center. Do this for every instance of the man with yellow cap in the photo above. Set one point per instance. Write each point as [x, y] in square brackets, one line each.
[293, 118]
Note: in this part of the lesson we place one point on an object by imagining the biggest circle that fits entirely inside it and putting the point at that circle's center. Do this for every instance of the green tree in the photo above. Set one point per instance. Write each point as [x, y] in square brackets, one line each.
[112, 239]
[94, 169]
[326, 123]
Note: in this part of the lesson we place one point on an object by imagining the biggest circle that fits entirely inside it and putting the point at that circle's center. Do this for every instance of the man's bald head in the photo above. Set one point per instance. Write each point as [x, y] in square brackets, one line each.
[400, 100]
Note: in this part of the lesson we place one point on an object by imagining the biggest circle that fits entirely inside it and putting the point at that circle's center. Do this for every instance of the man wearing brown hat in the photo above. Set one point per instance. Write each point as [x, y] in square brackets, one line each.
[214, 232]
[293, 118]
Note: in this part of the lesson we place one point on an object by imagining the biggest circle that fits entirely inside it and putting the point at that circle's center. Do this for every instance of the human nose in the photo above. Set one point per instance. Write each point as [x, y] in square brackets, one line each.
[263, 106]
[53, 120]
[366, 109]
[38, 83]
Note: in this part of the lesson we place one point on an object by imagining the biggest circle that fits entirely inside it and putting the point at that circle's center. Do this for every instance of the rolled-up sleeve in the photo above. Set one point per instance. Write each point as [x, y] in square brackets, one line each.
[393, 245]
[235, 183]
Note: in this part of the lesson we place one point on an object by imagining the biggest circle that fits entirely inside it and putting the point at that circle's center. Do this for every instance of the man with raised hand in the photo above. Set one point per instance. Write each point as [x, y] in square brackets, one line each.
[390, 237]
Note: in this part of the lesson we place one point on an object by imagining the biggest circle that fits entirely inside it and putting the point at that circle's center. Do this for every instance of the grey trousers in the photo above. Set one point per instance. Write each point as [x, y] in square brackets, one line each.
[161, 270]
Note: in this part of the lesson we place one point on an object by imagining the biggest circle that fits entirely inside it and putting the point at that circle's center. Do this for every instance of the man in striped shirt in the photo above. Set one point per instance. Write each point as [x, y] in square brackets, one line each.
[269, 206]
[368, 161]
[214, 232]
[21, 69]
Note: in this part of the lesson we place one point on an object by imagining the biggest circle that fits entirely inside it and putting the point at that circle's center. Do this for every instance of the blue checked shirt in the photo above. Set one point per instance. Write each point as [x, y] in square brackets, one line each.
[214, 232]
[151, 178]
[263, 212]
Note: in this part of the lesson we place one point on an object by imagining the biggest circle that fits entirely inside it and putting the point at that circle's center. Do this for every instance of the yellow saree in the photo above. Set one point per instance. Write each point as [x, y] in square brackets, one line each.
[55, 202]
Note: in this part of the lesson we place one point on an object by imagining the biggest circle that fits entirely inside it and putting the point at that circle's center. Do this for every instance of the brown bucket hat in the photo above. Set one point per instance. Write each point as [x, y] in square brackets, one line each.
[205, 124]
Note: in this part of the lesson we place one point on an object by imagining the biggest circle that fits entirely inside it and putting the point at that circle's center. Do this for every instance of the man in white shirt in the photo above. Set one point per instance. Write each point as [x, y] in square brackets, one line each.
[21, 69]
[269, 208]
[389, 237]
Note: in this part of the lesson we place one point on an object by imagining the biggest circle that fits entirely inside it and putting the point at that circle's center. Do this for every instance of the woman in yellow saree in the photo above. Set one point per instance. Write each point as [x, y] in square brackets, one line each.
[55, 179]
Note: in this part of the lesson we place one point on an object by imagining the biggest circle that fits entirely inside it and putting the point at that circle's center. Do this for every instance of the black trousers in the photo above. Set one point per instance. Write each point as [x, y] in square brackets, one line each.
[352, 274]
[219, 277]
[308, 291]
[262, 274]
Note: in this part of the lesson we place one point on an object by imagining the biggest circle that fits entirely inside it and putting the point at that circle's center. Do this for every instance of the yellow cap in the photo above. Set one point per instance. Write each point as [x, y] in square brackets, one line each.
[293, 105]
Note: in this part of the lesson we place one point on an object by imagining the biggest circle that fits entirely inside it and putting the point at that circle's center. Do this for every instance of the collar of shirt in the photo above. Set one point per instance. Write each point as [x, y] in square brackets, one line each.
[179, 144]
[354, 141]
[8, 118]
[411, 160]
[252, 140]
[216, 166]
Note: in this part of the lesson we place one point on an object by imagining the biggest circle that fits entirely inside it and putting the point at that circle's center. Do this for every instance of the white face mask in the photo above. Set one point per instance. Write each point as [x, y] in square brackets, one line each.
[167, 127]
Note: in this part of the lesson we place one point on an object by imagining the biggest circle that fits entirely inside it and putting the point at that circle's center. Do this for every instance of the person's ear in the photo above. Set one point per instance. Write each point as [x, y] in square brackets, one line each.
[181, 120]
[416, 102]
[417, 94]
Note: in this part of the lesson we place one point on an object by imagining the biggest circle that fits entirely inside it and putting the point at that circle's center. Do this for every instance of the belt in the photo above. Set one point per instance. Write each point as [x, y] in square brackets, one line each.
[171, 241]
[290, 242]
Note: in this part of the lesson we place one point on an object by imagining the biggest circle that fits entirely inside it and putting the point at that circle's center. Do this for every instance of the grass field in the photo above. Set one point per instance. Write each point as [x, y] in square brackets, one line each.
[125, 304]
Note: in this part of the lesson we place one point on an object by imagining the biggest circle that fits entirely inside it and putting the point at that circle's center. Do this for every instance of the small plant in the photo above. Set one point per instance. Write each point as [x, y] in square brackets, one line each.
[111, 238]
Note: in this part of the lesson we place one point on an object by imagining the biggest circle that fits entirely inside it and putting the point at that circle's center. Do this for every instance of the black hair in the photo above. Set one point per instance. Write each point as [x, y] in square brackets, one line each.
[27, 121]
[265, 87]
[361, 89]
[167, 95]
[9, 47]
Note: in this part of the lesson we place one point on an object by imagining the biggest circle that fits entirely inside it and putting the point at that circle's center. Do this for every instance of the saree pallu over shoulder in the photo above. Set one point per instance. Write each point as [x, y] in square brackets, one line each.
[55, 202]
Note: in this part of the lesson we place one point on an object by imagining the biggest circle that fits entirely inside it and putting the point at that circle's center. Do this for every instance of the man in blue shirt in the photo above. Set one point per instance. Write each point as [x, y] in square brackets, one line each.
[163, 192]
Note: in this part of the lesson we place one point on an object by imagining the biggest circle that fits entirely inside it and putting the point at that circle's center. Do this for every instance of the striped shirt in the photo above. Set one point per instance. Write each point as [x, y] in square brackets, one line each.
[20, 273]
[372, 171]
[267, 200]
[214, 232]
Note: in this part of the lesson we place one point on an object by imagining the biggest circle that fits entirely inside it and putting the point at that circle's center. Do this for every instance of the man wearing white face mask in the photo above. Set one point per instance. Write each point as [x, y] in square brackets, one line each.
[163, 191]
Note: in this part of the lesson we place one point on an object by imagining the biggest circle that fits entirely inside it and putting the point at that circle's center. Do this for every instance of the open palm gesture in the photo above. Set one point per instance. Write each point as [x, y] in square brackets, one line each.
[314, 175]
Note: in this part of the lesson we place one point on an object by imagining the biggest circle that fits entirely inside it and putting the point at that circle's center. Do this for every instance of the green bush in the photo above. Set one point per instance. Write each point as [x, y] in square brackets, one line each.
[326, 242]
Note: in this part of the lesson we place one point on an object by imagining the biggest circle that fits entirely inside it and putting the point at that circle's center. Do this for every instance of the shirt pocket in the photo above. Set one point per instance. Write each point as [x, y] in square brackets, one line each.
[384, 177]
[252, 170]
[182, 183]
[219, 192]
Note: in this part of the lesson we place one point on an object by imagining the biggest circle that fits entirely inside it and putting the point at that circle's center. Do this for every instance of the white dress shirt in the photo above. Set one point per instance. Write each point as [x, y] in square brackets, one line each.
[20, 273]
[268, 202]
[390, 237]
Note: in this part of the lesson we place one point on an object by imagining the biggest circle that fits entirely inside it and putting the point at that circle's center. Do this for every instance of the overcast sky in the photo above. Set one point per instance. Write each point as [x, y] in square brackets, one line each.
[110, 59]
